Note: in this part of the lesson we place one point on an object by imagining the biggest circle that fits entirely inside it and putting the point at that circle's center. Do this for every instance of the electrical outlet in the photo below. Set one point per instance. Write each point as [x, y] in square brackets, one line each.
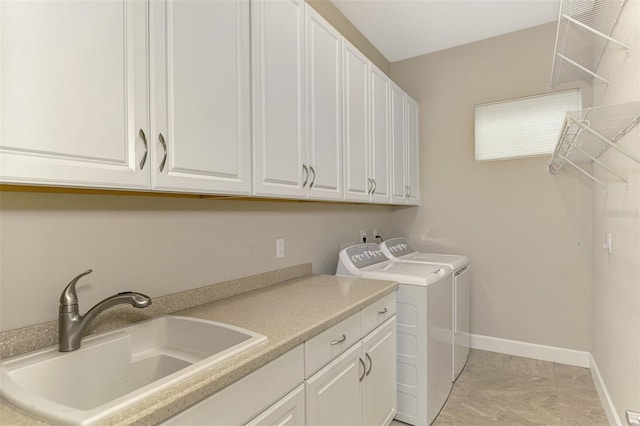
[374, 234]
[363, 236]
[607, 244]
[280, 247]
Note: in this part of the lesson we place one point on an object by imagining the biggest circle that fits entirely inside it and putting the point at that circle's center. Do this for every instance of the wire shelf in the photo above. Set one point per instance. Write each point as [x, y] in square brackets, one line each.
[584, 33]
[588, 133]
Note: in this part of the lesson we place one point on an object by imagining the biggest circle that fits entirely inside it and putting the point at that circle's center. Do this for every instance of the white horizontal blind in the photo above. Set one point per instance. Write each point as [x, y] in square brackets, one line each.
[522, 127]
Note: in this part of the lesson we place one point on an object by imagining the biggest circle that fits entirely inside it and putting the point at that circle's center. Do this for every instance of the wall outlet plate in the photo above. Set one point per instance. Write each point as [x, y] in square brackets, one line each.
[280, 247]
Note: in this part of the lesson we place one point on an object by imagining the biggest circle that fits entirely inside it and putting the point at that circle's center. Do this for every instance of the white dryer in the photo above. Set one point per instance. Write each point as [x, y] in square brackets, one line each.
[398, 249]
[424, 328]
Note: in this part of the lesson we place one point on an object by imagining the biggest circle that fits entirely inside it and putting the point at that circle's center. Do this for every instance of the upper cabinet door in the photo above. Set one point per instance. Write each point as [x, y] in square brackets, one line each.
[380, 152]
[324, 112]
[356, 124]
[399, 186]
[73, 93]
[278, 86]
[413, 153]
[201, 130]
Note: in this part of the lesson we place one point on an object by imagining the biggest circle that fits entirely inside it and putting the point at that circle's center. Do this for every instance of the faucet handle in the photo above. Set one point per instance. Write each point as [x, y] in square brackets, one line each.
[69, 296]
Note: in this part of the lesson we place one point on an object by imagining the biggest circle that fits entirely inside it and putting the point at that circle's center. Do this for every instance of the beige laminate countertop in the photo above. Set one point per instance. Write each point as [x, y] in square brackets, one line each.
[288, 314]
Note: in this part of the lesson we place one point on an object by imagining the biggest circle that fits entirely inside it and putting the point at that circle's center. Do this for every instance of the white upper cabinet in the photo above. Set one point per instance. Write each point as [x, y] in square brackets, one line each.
[296, 102]
[73, 93]
[366, 129]
[75, 103]
[238, 97]
[413, 160]
[380, 149]
[404, 148]
[324, 112]
[200, 97]
[399, 191]
[278, 85]
[356, 124]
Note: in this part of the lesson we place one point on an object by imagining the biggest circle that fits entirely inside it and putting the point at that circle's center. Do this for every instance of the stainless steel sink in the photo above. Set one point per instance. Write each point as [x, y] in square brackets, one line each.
[113, 370]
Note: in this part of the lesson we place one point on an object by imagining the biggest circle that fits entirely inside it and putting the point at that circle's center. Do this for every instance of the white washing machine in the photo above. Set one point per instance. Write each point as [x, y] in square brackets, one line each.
[424, 328]
[398, 249]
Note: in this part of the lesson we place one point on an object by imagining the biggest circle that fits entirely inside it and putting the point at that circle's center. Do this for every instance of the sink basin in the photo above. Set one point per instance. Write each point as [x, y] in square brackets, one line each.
[113, 370]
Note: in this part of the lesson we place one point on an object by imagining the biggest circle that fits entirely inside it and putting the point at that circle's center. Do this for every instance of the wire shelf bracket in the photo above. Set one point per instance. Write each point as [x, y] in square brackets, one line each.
[588, 133]
[585, 29]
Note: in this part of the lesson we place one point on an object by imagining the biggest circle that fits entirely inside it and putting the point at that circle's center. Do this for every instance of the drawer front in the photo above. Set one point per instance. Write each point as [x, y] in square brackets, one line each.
[243, 400]
[289, 411]
[324, 347]
[378, 312]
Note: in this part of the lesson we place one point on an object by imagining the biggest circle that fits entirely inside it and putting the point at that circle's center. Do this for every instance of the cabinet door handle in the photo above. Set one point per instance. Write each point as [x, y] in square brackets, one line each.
[409, 196]
[306, 175]
[342, 339]
[384, 311]
[406, 192]
[364, 369]
[313, 179]
[164, 146]
[370, 364]
[370, 186]
[146, 148]
[373, 191]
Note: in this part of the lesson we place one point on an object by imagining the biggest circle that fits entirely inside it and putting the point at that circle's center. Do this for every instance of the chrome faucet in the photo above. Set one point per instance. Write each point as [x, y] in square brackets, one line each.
[71, 324]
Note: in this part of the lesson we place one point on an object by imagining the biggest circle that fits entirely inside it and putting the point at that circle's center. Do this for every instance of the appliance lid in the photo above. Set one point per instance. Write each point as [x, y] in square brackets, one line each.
[407, 273]
[453, 261]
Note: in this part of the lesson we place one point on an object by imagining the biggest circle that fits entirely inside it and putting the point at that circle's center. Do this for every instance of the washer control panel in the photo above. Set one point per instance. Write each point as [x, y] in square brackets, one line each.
[399, 247]
[363, 255]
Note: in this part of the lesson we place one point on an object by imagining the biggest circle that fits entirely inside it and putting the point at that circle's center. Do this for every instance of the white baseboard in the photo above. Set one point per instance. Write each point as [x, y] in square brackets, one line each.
[603, 393]
[532, 350]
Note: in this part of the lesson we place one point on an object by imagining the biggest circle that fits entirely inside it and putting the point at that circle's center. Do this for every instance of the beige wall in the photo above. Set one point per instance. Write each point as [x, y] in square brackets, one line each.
[350, 32]
[616, 277]
[156, 245]
[528, 233]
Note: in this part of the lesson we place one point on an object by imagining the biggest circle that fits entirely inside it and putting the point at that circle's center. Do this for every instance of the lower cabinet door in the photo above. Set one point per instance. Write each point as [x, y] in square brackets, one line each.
[334, 394]
[380, 402]
[289, 411]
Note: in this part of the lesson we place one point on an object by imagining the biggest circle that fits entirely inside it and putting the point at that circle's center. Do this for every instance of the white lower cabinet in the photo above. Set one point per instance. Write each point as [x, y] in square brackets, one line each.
[379, 391]
[334, 394]
[336, 378]
[359, 386]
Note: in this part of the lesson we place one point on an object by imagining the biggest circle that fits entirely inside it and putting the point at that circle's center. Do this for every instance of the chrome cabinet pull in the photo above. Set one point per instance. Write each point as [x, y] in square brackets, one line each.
[313, 180]
[146, 148]
[342, 339]
[164, 146]
[406, 192]
[370, 186]
[364, 369]
[384, 311]
[373, 191]
[306, 175]
[409, 196]
[370, 364]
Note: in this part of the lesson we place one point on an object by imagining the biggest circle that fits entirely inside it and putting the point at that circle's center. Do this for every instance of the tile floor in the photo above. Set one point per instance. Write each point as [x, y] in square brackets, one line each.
[498, 389]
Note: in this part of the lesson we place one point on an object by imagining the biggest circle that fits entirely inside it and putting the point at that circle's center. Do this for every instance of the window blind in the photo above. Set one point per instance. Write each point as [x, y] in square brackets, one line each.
[522, 127]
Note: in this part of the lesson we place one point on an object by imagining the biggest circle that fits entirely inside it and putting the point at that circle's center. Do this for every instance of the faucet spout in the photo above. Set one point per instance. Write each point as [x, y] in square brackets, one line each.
[71, 324]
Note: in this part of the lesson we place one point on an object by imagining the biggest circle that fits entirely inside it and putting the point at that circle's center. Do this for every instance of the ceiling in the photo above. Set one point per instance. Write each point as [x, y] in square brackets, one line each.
[402, 29]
